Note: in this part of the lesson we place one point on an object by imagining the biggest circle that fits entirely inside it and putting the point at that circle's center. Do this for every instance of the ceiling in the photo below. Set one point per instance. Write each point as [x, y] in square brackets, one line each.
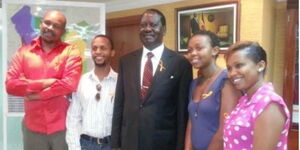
[117, 5]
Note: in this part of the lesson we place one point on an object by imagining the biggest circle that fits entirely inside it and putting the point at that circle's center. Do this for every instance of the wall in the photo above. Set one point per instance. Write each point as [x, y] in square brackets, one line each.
[169, 11]
[279, 46]
[268, 29]
[14, 138]
[1, 86]
[258, 22]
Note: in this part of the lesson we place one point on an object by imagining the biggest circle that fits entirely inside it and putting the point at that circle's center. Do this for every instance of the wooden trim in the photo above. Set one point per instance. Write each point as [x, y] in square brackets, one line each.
[207, 5]
[289, 71]
[123, 21]
[292, 4]
[289, 64]
[293, 140]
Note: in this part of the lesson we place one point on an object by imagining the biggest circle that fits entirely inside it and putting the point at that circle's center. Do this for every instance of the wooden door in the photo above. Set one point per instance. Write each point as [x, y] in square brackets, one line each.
[125, 36]
[291, 72]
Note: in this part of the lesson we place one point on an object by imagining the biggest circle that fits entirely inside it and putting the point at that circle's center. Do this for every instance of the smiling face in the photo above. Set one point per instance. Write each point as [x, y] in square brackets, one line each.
[200, 51]
[243, 72]
[52, 26]
[151, 30]
[102, 51]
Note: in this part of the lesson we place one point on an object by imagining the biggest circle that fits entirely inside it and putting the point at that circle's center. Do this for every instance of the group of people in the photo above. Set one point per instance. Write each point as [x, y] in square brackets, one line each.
[152, 103]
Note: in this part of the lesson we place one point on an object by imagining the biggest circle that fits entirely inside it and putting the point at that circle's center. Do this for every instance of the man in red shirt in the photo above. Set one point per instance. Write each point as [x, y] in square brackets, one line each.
[44, 72]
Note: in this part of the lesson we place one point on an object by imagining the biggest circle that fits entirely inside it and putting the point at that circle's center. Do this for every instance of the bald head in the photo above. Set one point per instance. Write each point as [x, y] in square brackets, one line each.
[59, 16]
[52, 27]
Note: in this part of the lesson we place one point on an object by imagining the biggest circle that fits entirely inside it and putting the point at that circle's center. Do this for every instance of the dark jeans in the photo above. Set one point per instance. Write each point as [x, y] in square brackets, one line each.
[90, 145]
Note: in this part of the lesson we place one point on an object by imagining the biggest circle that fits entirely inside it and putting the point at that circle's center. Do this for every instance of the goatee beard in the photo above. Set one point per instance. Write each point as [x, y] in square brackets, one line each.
[100, 65]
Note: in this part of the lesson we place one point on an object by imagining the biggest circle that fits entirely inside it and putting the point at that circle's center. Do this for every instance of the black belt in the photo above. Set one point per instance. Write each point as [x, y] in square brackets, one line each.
[104, 140]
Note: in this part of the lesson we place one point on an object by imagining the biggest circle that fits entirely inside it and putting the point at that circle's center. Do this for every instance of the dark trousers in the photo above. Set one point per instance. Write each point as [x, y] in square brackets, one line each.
[39, 141]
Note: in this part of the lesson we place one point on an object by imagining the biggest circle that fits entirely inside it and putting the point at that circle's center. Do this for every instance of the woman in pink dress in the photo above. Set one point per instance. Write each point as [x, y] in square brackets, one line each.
[261, 119]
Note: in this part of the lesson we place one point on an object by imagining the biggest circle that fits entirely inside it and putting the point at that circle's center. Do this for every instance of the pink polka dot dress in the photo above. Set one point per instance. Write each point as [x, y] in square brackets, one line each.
[239, 125]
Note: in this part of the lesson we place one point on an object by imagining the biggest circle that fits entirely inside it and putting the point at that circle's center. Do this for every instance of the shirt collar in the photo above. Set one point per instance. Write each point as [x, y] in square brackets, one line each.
[264, 89]
[157, 52]
[111, 75]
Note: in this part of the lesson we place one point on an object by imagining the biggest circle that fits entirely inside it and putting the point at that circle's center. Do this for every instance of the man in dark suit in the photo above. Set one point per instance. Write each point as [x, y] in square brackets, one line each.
[151, 115]
[194, 24]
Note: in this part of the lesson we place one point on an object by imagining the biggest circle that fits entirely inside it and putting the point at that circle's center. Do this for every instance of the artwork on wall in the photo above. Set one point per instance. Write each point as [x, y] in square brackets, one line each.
[20, 24]
[219, 18]
[21, 21]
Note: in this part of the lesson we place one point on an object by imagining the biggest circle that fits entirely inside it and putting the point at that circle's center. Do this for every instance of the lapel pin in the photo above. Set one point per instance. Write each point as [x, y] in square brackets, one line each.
[161, 66]
[204, 96]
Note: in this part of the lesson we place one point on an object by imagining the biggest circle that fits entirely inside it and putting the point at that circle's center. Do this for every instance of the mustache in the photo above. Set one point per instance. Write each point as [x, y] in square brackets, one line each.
[48, 33]
[147, 34]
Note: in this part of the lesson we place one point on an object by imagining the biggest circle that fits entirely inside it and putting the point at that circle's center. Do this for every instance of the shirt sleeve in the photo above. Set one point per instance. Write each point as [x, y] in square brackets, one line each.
[69, 81]
[74, 123]
[15, 80]
[265, 100]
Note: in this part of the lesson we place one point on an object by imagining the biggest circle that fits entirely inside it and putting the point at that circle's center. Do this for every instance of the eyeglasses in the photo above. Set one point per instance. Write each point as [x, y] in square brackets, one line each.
[98, 87]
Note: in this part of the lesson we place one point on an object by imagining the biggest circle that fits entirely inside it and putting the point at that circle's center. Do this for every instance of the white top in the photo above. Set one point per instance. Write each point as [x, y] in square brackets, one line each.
[157, 52]
[88, 116]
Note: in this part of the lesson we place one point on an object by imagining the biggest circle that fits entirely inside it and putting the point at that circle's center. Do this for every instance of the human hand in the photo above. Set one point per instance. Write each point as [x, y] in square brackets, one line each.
[48, 82]
[32, 97]
[23, 78]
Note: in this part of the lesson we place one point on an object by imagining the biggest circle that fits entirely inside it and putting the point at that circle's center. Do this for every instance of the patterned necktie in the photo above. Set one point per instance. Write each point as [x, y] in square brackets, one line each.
[147, 76]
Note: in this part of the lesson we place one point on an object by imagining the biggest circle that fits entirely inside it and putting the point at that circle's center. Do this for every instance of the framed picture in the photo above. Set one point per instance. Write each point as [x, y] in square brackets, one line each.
[219, 18]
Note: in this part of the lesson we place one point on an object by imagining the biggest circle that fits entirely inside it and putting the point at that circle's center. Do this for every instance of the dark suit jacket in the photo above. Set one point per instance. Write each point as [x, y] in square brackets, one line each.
[159, 121]
[194, 26]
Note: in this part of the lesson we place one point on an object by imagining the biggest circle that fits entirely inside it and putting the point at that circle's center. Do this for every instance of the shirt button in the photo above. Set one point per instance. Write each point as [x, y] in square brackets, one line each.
[141, 106]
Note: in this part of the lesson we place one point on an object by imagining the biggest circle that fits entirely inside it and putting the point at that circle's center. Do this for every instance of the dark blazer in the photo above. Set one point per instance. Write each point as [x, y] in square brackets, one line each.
[159, 121]
[194, 26]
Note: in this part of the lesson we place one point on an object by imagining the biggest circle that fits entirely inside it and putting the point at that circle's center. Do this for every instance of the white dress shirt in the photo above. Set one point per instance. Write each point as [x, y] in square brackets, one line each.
[157, 53]
[88, 116]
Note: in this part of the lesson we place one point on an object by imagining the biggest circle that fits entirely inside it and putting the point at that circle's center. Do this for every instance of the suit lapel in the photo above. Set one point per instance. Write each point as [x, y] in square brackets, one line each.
[162, 68]
[136, 68]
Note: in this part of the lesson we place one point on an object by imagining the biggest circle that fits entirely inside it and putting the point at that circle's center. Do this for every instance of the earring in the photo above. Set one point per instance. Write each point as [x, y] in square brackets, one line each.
[260, 69]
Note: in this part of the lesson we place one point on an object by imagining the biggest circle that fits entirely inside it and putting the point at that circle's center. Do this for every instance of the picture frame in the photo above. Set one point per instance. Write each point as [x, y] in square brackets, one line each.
[220, 18]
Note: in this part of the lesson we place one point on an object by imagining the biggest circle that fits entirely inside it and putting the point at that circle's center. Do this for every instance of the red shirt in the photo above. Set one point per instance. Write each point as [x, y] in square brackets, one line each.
[63, 62]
